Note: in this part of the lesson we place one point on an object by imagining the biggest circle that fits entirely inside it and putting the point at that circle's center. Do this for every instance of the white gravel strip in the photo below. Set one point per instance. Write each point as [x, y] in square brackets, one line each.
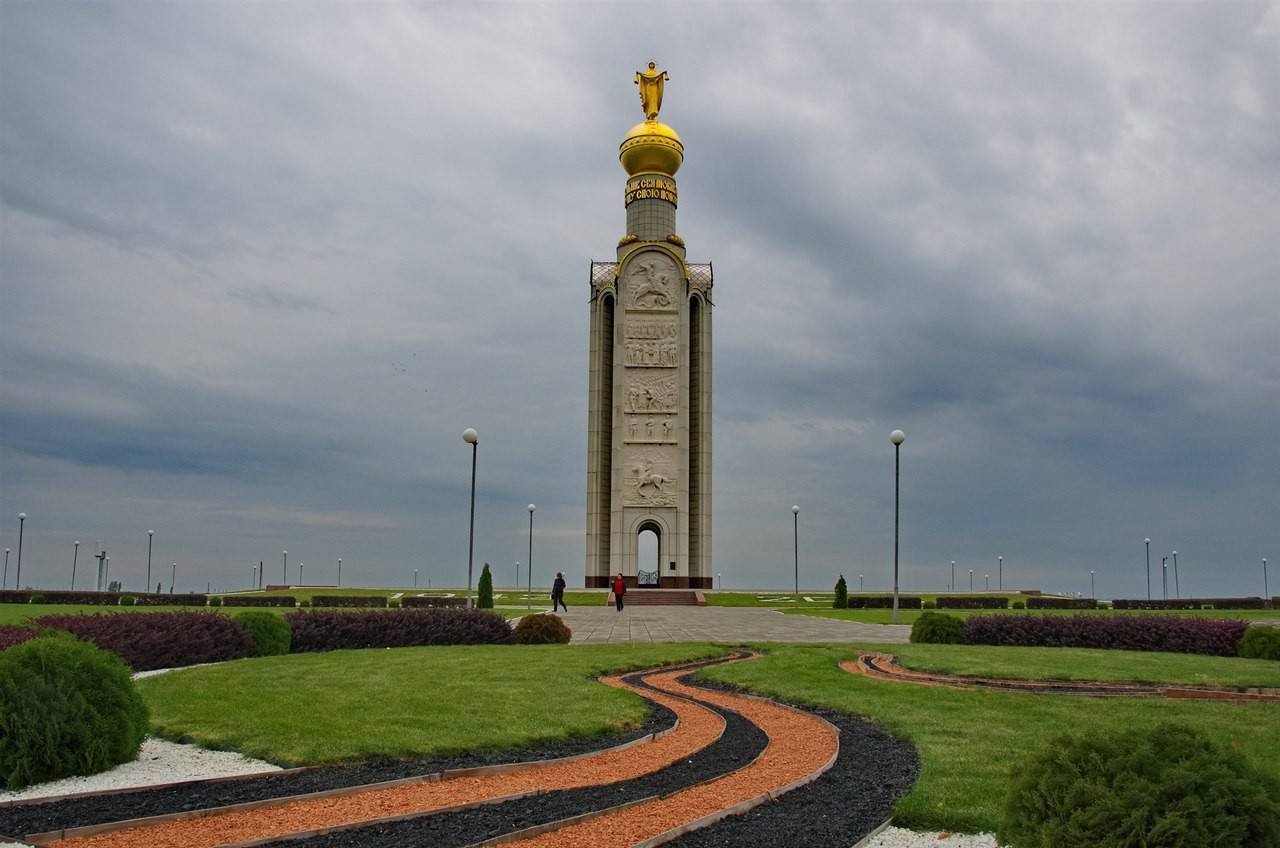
[896, 837]
[158, 762]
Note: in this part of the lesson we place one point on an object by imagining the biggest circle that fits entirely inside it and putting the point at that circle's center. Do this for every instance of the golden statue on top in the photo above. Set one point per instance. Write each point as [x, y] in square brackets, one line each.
[650, 83]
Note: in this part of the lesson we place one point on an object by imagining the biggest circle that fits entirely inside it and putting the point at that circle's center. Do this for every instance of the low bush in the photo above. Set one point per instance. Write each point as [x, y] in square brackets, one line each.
[155, 599]
[66, 708]
[127, 600]
[1218, 637]
[1260, 643]
[930, 605]
[1166, 786]
[11, 635]
[484, 590]
[937, 628]
[1018, 605]
[842, 595]
[972, 602]
[1061, 603]
[14, 596]
[215, 601]
[1156, 604]
[415, 602]
[883, 602]
[1237, 603]
[270, 632]
[259, 601]
[158, 639]
[349, 601]
[543, 629]
[38, 599]
[331, 630]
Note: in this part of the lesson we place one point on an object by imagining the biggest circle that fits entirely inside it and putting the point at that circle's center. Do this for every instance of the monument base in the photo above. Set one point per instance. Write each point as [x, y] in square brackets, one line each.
[596, 582]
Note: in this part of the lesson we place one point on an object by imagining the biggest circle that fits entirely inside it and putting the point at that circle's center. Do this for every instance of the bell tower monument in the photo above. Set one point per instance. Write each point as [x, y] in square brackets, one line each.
[649, 395]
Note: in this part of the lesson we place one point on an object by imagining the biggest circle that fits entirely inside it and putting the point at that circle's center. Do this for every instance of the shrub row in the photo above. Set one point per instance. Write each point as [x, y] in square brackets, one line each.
[349, 601]
[1192, 603]
[1126, 632]
[882, 602]
[11, 635]
[58, 596]
[1061, 603]
[259, 601]
[972, 602]
[158, 639]
[414, 602]
[331, 630]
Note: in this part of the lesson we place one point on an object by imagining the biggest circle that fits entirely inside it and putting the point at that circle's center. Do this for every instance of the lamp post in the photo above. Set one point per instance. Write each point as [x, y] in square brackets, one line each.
[1266, 592]
[74, 557]
[339, 571]
[971, 581]
[101, 557]
[150, 535]
[6, 569]
[253, 577]
[720, 580]
[1000, 575]
[953, 576]
[106, 570]
[173, 575]
[284, 571]
[1093, 593]
[1147, 542]
[22, 521]
[1177, 590]
[528, 598]
[795, 513]
[859, 583]
[472, 438]
[415, 578]
[897, 437]
[1164, 574]
[987, 577]
[301, 567]
[517, 583]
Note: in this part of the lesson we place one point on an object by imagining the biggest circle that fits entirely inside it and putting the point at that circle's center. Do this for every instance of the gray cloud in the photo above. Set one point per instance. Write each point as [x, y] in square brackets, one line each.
[259, 271]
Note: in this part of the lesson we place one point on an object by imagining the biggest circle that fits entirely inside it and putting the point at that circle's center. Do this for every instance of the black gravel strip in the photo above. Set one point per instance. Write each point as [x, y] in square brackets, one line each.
[872, 771]
[741, 743]
[78, 812]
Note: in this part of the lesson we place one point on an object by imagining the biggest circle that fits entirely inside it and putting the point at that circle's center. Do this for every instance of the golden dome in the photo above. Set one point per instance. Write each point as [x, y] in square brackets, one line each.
[651, 147]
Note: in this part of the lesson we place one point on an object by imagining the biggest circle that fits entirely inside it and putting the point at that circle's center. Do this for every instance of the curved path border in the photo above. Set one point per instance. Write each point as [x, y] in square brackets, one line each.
[885, 667]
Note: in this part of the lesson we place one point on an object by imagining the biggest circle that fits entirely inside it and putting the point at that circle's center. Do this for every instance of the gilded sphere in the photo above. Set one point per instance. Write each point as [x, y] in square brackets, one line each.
[651, 147]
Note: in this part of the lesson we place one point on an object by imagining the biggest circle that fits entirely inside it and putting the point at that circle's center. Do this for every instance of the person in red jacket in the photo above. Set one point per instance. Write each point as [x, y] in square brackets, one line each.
[619, 589]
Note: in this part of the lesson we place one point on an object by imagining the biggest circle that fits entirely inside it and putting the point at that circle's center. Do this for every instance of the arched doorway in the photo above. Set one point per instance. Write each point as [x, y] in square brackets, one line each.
[648, 554]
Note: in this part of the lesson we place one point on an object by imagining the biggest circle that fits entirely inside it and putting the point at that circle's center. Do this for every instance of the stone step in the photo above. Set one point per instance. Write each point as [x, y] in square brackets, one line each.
[662, 597]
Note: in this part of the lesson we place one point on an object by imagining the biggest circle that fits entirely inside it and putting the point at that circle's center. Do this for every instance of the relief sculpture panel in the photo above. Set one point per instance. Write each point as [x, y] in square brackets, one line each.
[651, 429]
[649, 477]
[651, 393]
[650, 282]
[645, 354]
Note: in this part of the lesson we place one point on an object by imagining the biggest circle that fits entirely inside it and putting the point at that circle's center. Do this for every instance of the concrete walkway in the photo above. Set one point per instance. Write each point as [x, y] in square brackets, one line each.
[599, 624]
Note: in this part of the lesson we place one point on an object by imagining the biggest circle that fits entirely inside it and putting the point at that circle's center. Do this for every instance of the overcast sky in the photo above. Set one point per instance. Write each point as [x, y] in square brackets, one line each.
[263, 262]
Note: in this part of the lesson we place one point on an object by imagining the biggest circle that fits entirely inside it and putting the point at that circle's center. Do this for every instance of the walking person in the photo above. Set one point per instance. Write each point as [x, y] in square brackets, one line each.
[557, 594]
[619, 589]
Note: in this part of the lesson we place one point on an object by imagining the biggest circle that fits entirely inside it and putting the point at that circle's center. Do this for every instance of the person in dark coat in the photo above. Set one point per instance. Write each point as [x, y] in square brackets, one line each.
[557, 593]
[619, 589]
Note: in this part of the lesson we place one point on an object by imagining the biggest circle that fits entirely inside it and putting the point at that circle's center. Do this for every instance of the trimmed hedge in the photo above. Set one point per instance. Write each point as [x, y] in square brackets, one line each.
[53, 596]
[349, 601]
[1218, 637]
[1166, 786]
[66, 708]
[331, 630]
[1260, 643]
[259, 601]
[11, 635]
[158, 639]
[1195, 604]
[936, 628]
[1061, 603]
[543, 629]
[414, 602]
[270, 632]
[883, 602]
[971, 602]
[157, 599]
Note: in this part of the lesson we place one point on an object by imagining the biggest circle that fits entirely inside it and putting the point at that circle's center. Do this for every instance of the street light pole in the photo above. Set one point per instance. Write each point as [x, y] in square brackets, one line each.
[971, 581]
[415, 578]
[528, 598]
[301, 569]
[74, 557]
[1266, 592]
[795, 512]
[1164, 575]
[22, 521]
[953, 575]
[339, 571]
[1000, 576]
[472, 438]
[1147, 542]
[1177, 590]
[859, 583]
[1093, 593]
[5, 580]
[897, 437]
[173, 576]
[284, 571]
[987, 577]
[150, 535]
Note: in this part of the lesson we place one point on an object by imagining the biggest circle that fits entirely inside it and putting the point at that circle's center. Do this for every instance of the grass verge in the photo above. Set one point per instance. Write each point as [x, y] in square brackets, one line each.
[307, 709]
[971, 741]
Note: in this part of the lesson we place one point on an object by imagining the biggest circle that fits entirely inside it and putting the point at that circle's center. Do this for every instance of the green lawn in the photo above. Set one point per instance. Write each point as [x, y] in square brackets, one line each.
[885, 616]
[970, 741]
[1087, 664]
[306, 709]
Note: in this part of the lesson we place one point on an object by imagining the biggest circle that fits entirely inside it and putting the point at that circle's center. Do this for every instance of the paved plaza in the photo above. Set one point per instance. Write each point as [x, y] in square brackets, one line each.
[595, 625]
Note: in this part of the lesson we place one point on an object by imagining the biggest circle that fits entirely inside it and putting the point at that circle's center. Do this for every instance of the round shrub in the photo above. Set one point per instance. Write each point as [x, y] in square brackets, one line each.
[66, 708]
[544, 629]
[37, 599]
[271, 633]
[1260, 643]
[1019, 605]
[937, 628]
[215, 601]
[1167, 786]
[929, 605]
[127, 600]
